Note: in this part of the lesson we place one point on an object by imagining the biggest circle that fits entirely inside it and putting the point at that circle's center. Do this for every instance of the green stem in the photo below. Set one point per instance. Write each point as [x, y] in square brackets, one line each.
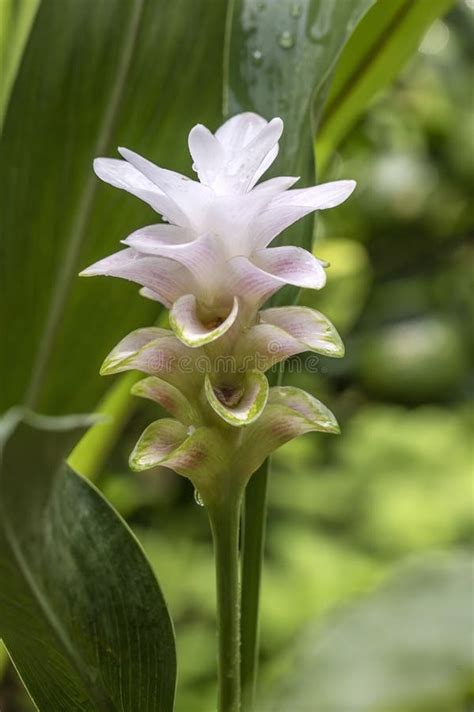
[253, 540]
[225, 520]
[253, 544]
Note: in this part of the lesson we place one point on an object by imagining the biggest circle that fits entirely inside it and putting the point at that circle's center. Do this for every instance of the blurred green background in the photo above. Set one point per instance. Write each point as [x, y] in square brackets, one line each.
[350, 514]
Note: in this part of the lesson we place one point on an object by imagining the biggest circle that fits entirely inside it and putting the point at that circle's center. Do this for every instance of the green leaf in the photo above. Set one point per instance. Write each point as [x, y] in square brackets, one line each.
[93, 75]
[16, 18]
[279, 60]
[384, 40]
[91, 452]
[280, 54]
[81, 613]
[405, 647]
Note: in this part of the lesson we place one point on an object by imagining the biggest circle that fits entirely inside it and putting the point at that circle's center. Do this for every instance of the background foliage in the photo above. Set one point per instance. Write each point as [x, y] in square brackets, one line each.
[345, 512]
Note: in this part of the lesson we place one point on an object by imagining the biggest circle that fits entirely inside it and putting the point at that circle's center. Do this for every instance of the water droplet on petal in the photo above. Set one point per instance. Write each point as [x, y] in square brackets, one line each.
[197, 498]
[286, 40]
[257, 56]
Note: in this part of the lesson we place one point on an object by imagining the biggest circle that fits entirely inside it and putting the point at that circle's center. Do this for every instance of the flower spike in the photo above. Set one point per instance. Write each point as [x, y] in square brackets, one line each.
[212, 264]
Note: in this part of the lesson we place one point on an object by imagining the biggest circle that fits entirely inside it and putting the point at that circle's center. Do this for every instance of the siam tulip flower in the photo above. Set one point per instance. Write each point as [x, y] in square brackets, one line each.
[211, 262]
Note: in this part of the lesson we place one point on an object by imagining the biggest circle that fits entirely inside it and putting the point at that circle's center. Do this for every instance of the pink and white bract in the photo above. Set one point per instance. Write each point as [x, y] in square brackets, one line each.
[211, 263]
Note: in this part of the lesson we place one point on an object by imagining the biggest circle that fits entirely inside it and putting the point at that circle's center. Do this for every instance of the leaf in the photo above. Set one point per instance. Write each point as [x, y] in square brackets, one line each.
[405, 647]
[91, 452]
[16, 18]
[280, 55]
[385, 39]
[93, 75]
[81, 613]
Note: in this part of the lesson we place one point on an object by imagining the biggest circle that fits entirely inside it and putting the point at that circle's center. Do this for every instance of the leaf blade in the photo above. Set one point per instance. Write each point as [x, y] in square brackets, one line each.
[60, 99]
[82, 615]
[384, 40]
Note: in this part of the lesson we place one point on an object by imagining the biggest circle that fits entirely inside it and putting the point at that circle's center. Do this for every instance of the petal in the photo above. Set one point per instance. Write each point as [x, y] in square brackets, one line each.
[189, 195]
[287, 208]
[156, 443]
[290, 412]
[249, 164]
[162, 234]
[284, 332]
[291, 265]
[149, 294]
[168, 396]
[307, 406]
[265, 164]
[252, 396]
[122, 175]
[231, 219]
[188, 327]
[207, 153]
[164, 356]
[275, 185]
[251, 282]
[130, 345]
[257, 278]
[311, 328]
[201, 454]
[264, 345]
[199, 255]
[167, 279]
[202, 457]
[163, 178]
[239, 130]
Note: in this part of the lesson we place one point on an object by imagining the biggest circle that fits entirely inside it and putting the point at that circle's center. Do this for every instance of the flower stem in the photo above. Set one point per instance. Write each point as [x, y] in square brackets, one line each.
[253, 538]
[225, 531]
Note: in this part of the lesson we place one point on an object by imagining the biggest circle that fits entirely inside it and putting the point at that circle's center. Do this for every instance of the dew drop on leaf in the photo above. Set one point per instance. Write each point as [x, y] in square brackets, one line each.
[286, 40]
[295, 10]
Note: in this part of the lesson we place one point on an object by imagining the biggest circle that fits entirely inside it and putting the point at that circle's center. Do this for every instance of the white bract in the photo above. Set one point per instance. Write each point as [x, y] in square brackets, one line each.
[215, 242]
[211, 263]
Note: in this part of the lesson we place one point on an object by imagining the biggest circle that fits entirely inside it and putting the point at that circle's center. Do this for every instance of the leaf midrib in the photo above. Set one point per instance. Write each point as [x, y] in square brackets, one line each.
[79, 224]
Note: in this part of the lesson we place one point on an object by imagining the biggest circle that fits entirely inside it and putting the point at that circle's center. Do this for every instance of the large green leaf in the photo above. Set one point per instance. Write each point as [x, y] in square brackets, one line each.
[93, 75]
[81, 613]
[408, 646]
[384, 40]
[279, 59]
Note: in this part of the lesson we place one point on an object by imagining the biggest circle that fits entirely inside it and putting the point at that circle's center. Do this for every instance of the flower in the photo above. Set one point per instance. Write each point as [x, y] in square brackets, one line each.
[210, 261]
